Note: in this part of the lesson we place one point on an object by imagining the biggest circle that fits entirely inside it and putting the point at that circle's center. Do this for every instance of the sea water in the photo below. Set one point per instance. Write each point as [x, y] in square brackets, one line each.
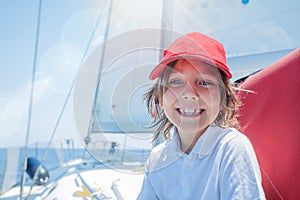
[52, 158]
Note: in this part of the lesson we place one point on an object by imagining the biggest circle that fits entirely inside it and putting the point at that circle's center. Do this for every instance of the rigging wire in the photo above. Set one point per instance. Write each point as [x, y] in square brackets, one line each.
[31, 98]
[65, 102]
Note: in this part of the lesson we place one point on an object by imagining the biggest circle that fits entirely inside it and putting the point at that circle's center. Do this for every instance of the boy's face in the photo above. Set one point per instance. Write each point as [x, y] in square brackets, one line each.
[192, 100]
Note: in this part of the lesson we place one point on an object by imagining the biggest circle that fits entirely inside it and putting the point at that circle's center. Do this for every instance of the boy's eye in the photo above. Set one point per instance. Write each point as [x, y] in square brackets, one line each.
[204, 83]
[176, 82]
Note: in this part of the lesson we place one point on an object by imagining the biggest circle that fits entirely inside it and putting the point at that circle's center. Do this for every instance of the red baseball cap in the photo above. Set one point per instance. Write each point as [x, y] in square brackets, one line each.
[194, 46]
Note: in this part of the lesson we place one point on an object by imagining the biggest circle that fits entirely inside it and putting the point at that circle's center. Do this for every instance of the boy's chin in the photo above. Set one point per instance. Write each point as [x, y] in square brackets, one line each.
[191, 128]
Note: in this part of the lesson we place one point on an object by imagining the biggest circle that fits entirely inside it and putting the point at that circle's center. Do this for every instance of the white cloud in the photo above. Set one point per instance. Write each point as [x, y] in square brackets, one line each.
[14, 111]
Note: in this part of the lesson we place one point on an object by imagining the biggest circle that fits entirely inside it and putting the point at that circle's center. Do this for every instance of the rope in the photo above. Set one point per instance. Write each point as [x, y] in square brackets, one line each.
[31, 98]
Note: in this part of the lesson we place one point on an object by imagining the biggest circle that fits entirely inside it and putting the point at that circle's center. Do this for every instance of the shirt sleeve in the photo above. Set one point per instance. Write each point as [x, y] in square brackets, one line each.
[147, 192]
[240, 176]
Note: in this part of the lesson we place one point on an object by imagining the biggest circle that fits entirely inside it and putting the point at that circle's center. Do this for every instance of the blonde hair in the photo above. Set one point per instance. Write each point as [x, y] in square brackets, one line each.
[227, 116]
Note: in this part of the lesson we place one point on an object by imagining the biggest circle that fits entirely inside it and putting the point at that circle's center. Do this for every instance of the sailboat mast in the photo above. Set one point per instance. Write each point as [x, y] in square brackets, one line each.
[92, 116]
[166, 25]
[165, 37]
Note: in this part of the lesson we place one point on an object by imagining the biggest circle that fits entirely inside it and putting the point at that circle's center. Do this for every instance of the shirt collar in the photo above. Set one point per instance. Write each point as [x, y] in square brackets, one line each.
[205, 144]
[168, 152]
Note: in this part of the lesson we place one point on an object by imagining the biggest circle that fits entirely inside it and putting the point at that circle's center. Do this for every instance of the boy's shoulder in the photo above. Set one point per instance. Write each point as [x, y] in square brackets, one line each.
[161, 156]
[232, 136]
[216, 137]
[234, 142]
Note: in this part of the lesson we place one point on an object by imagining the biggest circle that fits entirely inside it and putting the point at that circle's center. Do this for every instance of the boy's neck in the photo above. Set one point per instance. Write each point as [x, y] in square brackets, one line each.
[188, 141]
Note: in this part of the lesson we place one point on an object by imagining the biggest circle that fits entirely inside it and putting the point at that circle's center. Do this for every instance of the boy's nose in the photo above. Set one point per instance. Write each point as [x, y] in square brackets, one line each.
[189, 93]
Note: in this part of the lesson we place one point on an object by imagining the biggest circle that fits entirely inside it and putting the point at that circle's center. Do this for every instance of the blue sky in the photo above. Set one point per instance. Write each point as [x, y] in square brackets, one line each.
[66, 26]
[64, 31]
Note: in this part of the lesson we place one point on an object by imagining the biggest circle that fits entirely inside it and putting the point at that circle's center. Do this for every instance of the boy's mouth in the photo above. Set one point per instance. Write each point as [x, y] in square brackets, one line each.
[189, 112]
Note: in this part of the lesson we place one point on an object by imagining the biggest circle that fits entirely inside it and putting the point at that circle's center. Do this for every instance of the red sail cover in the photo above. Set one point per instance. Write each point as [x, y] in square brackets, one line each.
[270, 117]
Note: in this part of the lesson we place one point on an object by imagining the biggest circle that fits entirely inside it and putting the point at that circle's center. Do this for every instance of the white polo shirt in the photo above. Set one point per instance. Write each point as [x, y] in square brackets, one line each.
[222, 165]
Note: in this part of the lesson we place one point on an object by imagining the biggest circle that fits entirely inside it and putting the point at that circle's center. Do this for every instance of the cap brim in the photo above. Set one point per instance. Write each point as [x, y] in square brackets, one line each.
[165, 61]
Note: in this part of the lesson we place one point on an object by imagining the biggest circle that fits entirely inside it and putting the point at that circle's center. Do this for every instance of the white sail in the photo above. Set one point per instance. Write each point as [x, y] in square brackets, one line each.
[11, 169]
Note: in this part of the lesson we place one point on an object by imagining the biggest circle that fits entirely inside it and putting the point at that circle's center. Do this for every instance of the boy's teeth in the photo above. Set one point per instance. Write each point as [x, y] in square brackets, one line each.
[189, 111]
